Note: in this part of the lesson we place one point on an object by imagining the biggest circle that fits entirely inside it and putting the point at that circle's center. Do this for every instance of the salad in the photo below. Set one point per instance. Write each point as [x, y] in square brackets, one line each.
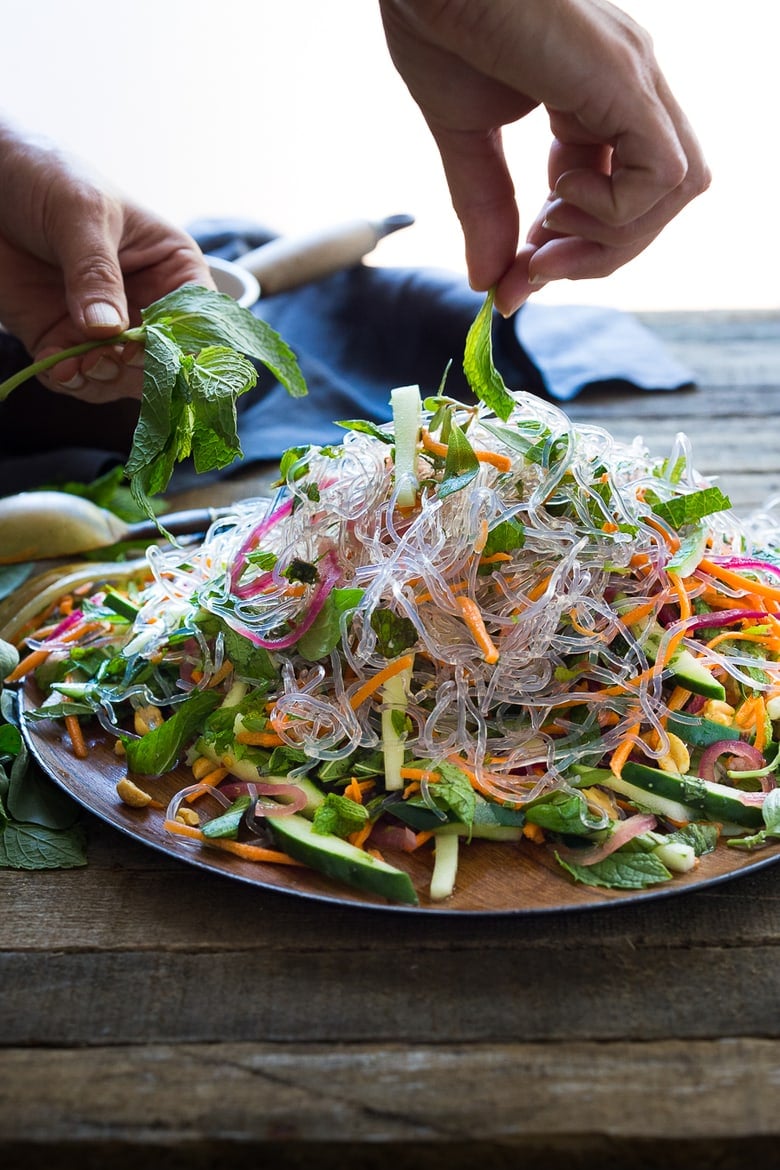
[461, 625]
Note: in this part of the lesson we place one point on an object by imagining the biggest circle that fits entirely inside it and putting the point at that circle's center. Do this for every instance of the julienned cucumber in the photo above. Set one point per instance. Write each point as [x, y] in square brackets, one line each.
[338, 859]
[716, 801]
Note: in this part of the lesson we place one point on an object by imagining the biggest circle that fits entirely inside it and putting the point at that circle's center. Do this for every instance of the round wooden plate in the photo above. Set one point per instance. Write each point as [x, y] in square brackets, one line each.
[516, 878]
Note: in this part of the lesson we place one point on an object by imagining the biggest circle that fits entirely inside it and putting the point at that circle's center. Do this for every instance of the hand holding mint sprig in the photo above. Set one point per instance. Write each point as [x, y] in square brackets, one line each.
[197, 349]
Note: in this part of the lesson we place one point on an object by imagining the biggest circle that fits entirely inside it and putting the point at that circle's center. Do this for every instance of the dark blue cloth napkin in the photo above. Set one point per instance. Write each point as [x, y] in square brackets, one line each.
[357, 335]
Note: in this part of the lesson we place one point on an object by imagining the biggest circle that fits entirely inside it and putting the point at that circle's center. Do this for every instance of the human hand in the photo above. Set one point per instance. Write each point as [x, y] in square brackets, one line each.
[78, 262]
[623, 162]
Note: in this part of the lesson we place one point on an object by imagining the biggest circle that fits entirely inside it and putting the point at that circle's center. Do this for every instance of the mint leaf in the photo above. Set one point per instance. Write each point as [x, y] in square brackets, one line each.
[453, 793]
[770, 810]
[324, 634]
[24, 846]
[216, 379]
[564, 812]
[619, 871]
[478, 366]
[461, 465]
[689, 508]
[196, 318]
[366, 428]
[339, 815]
[158, 751]
[394, 632]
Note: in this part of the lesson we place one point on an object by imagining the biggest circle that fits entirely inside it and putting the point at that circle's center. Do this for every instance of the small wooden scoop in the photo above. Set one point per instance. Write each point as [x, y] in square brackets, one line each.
[37, 526]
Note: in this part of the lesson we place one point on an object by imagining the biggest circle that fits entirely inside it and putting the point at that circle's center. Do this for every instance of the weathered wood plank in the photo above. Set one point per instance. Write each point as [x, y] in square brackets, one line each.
[386, 1093]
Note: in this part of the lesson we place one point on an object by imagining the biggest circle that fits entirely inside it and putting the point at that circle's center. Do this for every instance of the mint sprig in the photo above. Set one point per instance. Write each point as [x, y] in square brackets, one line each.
[479, 367]
[199, 348]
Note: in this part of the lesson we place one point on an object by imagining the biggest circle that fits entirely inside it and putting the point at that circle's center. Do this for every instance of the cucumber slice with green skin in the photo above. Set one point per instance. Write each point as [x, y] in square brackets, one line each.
[480, 832]
[700, 733]
[716, 801]
[686, 669]
[644, 798]
[339, 860]
[420, 817]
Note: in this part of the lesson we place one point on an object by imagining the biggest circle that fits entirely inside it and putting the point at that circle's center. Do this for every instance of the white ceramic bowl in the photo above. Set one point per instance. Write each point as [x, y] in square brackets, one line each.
[234, 280]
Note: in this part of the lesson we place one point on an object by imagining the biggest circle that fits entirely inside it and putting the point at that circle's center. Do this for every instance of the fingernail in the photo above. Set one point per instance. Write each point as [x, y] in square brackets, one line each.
[100, 313]
[74, 383]
[538, 281]
[104, 370]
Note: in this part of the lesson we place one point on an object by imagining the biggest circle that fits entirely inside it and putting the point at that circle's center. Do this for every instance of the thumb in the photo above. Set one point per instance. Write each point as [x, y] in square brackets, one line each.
[94, 284]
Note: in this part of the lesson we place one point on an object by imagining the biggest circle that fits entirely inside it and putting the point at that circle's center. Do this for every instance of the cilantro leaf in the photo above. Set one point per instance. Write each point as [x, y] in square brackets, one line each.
[478, 366]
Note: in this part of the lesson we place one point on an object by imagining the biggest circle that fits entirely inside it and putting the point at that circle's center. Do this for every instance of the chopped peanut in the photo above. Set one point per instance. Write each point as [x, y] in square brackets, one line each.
[678, 758]
[719, 712]
[202, 766]
[119, 748]
[131, 794]
[188, 816]
[146, 719]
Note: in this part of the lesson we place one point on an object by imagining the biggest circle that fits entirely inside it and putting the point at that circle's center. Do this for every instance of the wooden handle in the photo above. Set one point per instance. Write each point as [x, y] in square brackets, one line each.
[291, 261]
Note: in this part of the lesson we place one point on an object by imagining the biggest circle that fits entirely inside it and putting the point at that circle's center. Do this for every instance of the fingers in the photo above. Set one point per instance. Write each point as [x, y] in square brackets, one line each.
[104, 375]
[85, 231]
[483, 197]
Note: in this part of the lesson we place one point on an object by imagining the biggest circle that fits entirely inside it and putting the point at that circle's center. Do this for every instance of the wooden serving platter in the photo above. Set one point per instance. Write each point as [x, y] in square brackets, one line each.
[493, 878]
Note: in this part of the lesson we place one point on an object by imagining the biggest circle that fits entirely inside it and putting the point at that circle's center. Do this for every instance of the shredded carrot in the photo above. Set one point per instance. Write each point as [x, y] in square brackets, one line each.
[495, 558]
[631, 616]
[73, 728]
[267, 739]
[419, 774]
[379, 679]
[247, 852]
[621, 753]
[457, 587]
[500, 462]
[737, 581]
[361, 835]
[682, 596]
[533, 833]
[28, 664]
[212, 778]
[421, 837]
[772, 644]
[470, 612]
[539, 588]
[220, 675]
[481, 540]
[672, 540]
[353, 791]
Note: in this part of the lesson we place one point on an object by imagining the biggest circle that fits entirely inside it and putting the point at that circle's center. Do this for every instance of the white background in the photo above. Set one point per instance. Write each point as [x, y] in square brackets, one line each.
[290, 112]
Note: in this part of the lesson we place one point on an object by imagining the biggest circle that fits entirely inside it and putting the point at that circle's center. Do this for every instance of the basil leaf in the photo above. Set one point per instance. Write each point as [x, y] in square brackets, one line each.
[478, 366]
[158, 751]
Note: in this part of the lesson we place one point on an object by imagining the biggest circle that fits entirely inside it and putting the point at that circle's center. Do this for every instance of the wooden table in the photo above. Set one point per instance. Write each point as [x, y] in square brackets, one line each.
[156, 1015]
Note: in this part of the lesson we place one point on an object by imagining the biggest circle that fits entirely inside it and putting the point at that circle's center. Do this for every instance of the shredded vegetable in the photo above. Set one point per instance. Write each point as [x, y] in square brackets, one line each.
[560, 627]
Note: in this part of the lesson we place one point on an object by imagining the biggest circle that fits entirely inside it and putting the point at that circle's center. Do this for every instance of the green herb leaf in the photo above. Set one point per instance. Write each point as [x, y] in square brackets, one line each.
[619, 871]
[158, 751]
[689, 508]
[366, 428]
[339, 815]
[453, 793]
[324, 634]
[228, 824]
[461, 465]
[565, 812]
[217, 378]
[478, 366]
[394, 632]
[26, 846]
[505, 537]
